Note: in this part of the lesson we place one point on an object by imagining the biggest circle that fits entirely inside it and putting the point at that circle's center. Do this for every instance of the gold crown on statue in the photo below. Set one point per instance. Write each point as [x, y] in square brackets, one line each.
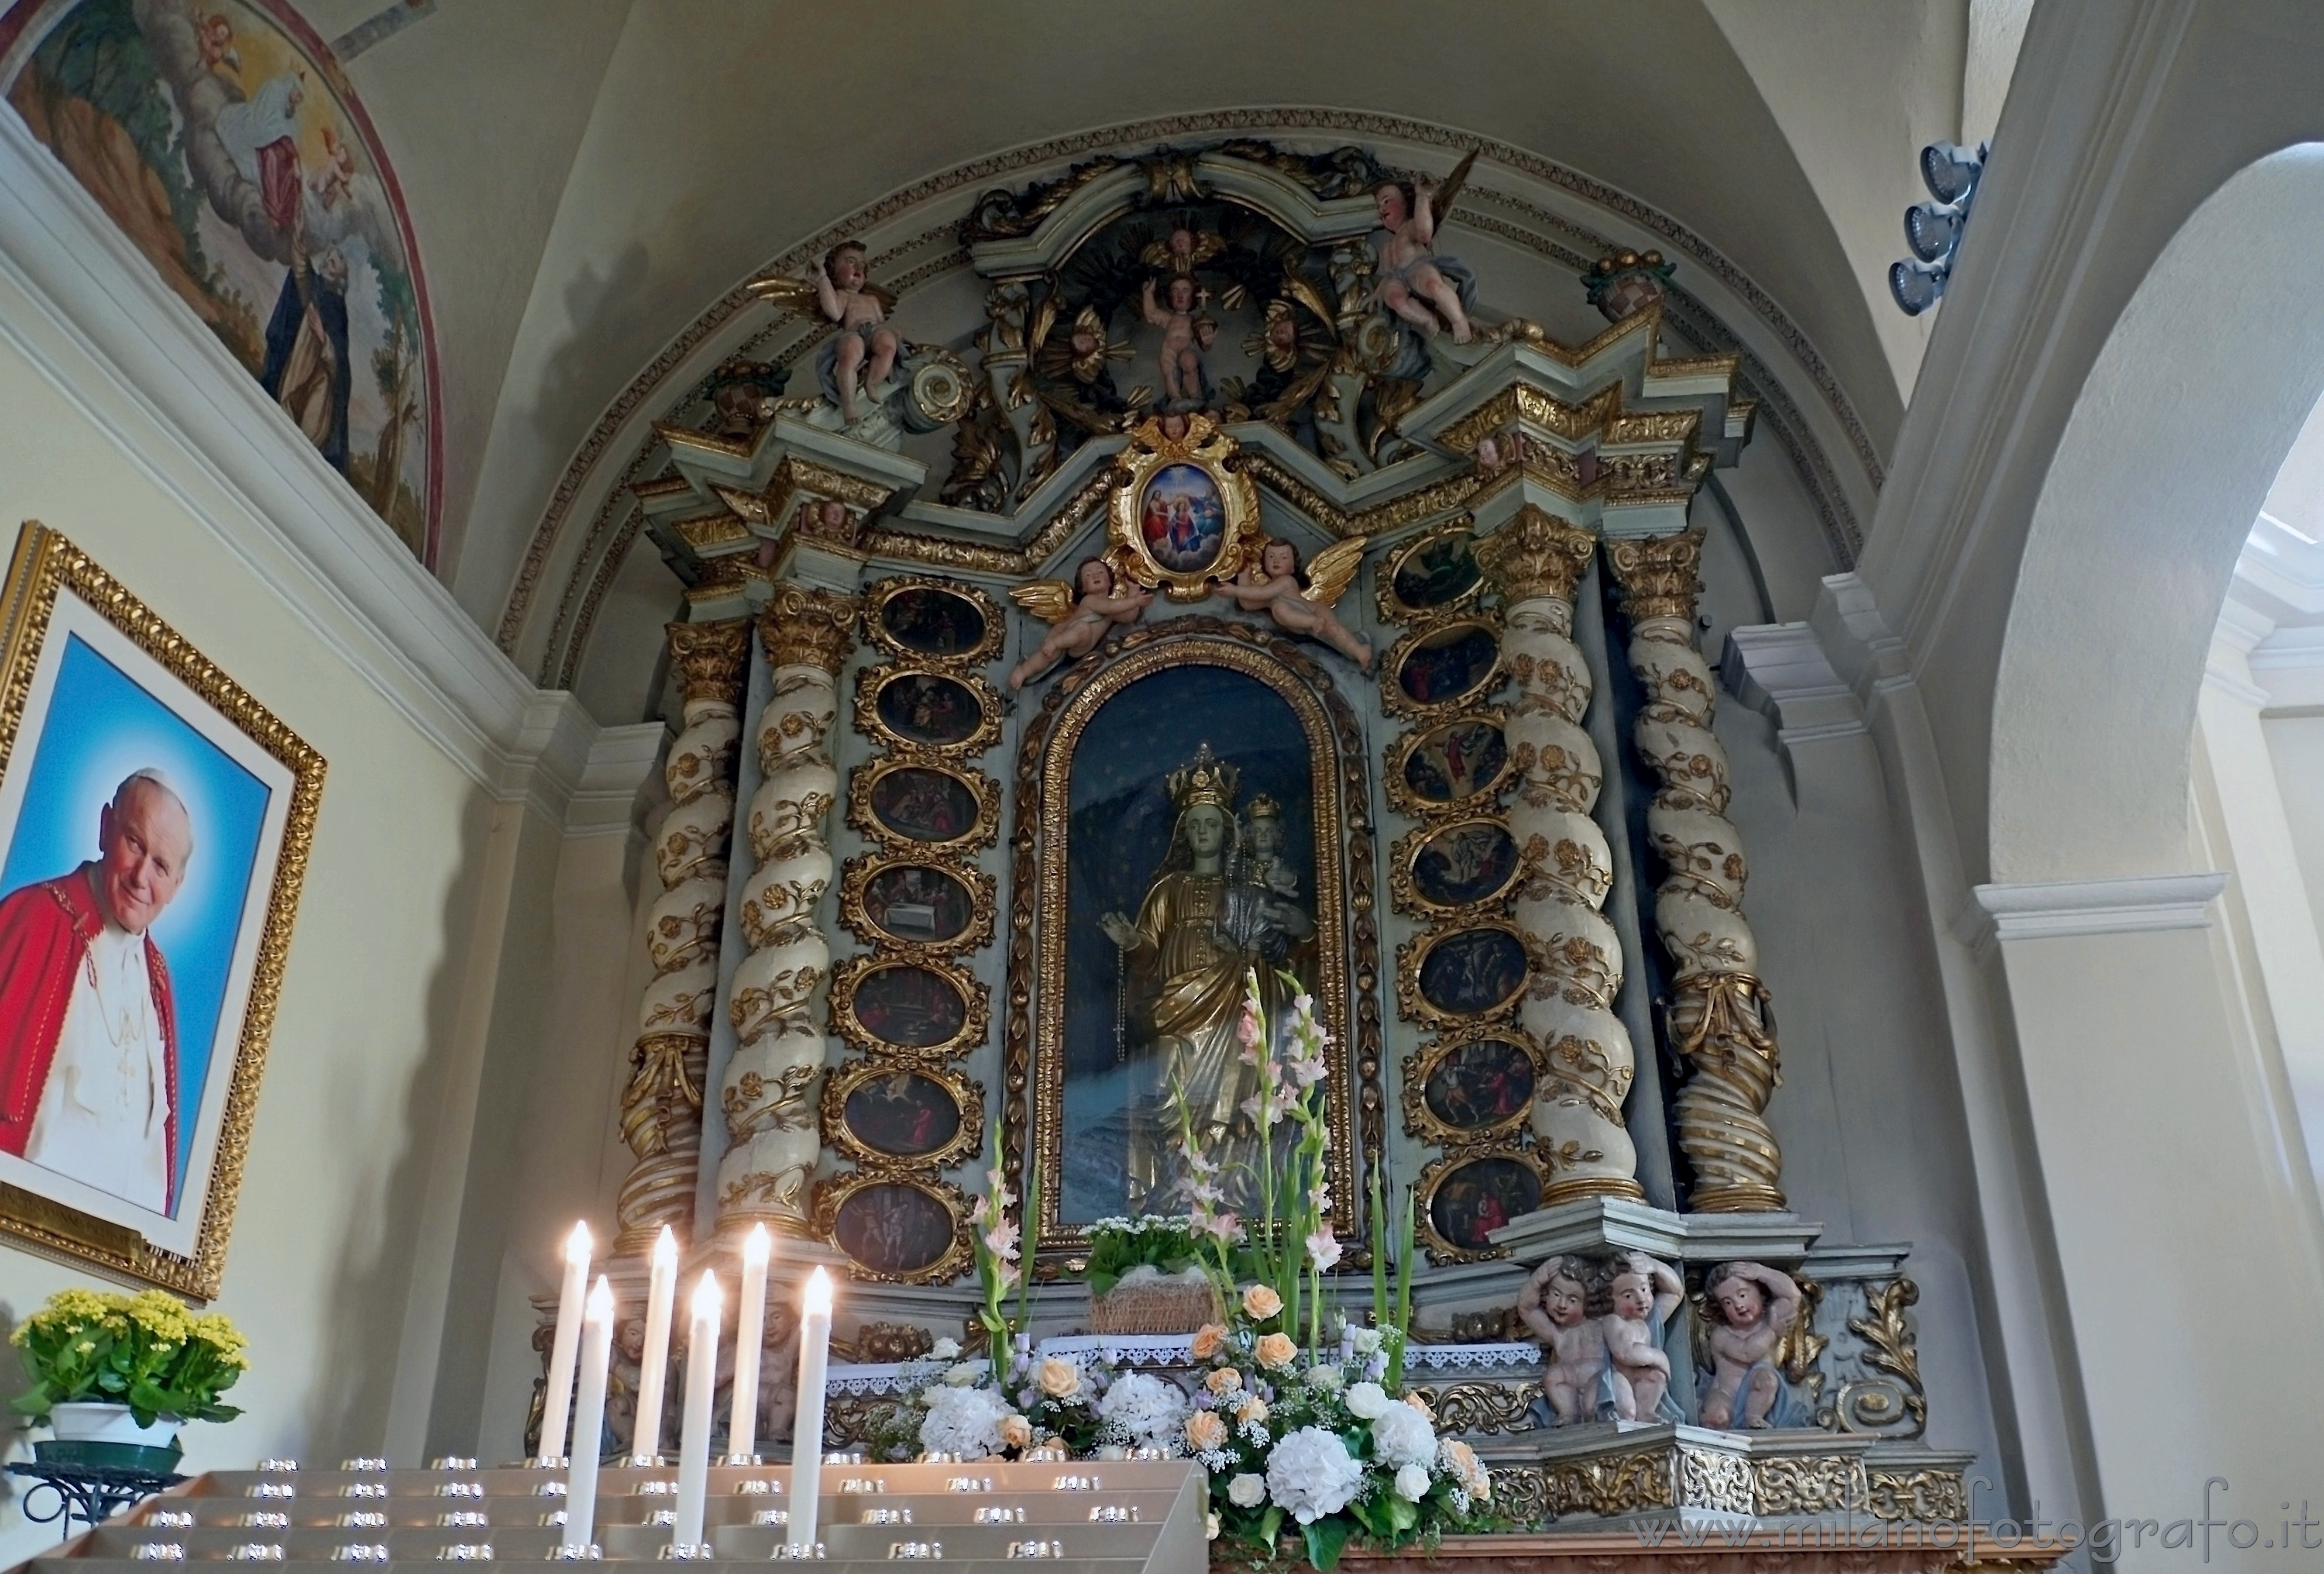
[1203, 780]
[1263, 807]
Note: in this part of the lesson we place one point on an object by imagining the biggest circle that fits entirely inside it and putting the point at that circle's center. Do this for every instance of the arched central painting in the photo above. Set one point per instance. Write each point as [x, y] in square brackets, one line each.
[1192, 834]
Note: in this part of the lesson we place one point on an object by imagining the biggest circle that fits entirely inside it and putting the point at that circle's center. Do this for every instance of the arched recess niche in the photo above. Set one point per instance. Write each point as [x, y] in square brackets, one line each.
[2173, 442]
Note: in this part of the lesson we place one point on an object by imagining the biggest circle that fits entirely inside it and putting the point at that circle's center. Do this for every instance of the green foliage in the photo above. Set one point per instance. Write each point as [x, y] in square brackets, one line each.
[145, 1350]
[1119, 1245]
[98, 54]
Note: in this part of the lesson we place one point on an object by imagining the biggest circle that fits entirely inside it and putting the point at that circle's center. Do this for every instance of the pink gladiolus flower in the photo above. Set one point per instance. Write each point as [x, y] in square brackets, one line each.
[1323, 1250]
[1226, 1227]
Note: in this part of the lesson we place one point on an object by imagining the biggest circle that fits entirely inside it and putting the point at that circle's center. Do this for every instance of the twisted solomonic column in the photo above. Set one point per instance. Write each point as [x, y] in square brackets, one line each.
[662, 1106]
[1536, 561]
[769, 1092]
[1719, 1020]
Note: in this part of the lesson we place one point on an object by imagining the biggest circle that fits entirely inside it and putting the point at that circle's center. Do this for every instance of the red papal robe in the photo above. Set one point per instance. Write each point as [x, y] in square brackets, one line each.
[46, 930]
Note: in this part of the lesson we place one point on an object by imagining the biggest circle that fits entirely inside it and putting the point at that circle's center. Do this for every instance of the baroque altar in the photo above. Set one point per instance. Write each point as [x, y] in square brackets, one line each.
[1254, 593]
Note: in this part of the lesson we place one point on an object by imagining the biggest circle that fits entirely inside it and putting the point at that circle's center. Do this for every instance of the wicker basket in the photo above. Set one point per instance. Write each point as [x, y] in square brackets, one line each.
[1144, 1301]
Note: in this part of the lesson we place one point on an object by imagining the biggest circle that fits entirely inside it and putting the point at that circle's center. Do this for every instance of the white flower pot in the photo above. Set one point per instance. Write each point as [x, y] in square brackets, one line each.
[111, 1424]
[108, 1434]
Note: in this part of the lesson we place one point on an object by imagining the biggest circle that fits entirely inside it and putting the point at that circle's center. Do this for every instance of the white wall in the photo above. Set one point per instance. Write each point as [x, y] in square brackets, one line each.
[407, 1008]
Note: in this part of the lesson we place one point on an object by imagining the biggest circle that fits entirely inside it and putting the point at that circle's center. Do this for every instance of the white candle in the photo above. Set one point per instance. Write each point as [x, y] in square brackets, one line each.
[749, 1329]
[568, 1346]
[694, 1438]
[589, 1417]
[653, 1363]
[807, 1431]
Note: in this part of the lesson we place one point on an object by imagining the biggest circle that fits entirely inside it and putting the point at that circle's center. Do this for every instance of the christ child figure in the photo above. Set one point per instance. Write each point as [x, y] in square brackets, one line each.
[1182, 357]
[1410, 283]
[1555, 1304]
[867, 348]
[1097, 602]
[1751, 1308]
[1275, 586]
[1645, 1293]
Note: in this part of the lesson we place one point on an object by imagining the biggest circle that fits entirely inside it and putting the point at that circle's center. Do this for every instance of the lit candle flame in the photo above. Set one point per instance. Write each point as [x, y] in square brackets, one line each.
[577, 1244]
[819, 1290]
[665, 1251]
[758, 1246]
[706, 1297]
[601, 1301]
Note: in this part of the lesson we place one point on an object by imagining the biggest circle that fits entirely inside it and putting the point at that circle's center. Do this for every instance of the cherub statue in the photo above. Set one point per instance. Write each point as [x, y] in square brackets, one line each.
[1424, 289]
[1751, 1307]
[1081, 612]
[1183, 251]
[1182, 379]
[1644, 1294]
[1301, 602]
[1555, 1304]
[865, 350]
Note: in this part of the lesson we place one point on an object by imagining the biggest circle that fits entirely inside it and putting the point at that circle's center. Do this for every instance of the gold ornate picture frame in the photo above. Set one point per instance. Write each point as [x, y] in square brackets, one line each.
[867, 1101]
[1442, 666]
[930, 1008]
[1474, 765]
[941, 624]
[917, 707]
[156, 752]
[896, 1229]
[1503, 1103]
[1183, 516]
[926, 801]
[1467, 1194]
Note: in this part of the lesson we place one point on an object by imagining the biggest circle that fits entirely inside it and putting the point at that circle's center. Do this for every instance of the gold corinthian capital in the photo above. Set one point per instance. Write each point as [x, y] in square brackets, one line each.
[710, 659]
[808, 628]
[1660, 575]
[1535, 556]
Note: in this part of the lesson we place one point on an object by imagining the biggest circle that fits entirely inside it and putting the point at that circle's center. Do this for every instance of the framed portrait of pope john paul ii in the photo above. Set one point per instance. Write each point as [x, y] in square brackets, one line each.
[155, 821]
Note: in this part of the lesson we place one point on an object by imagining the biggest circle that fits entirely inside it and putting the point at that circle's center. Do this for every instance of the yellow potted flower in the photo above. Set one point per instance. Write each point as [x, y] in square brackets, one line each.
[117, 1376]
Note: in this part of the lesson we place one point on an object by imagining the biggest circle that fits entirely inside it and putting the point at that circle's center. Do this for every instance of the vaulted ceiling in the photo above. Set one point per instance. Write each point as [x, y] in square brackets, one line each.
[586, 177]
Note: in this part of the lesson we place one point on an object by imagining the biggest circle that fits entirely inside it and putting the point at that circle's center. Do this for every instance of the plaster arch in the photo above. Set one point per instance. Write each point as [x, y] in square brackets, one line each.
[2171, 448]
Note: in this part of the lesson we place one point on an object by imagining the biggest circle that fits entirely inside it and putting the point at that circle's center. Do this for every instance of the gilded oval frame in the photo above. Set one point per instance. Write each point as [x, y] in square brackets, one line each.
[1413, 954]
[1396, 701]
[1404, 884]
[832, 1194]
[1442, 1249]
[847, 978]
[870, 680]
[864, 781]
[988, 646]
[1206, 448]
[967, 1142]
[1393, 608]
[1423, 1123]
[1408, 803]
[859, 872]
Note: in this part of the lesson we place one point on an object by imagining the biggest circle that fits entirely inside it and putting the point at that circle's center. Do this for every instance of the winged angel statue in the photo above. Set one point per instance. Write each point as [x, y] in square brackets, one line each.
[1300, 601]
[1080, 612]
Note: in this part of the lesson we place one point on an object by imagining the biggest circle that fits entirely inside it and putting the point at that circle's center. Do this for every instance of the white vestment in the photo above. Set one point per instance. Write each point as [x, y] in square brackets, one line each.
[105, 1109]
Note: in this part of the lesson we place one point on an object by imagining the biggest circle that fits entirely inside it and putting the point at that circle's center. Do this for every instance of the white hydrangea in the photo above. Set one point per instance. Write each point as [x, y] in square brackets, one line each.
[964, 1421]
[1247, 1490]
[1412, 1483]
[1402, 1436]
[1367, 1401]
[1312, 1475]
[1145, 1412]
